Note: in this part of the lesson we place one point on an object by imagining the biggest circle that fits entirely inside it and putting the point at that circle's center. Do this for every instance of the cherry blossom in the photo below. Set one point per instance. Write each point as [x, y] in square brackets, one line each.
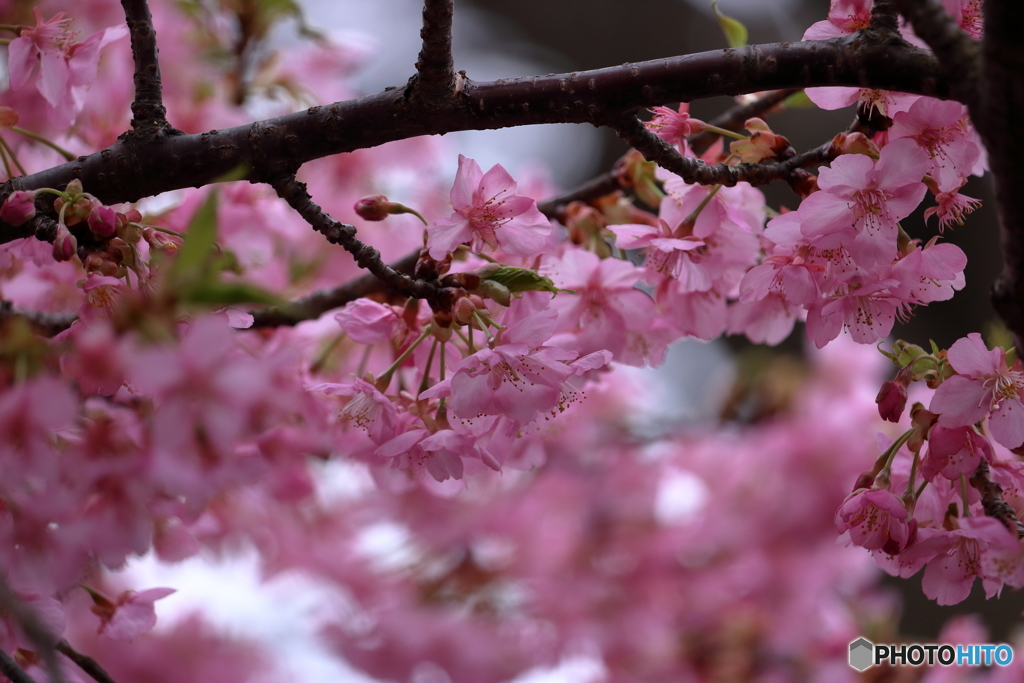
[488, 212]
[983, 386]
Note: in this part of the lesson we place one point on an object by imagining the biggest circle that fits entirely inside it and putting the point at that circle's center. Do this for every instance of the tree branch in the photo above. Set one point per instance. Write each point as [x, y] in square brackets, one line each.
[84, 662]
[435, 69]
[958, 55]
[10, 668]
[996, 114]
[48, 324]
[318, 303]
[294, 192]
[608, 182]
[127, 171]
[148, 108]
[992, 500]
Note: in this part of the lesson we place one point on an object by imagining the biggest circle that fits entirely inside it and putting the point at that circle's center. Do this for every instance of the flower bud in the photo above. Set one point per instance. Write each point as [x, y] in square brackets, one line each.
[8, 117]
[102, 221]
[64, 244]
[19, 207]
[463, 310]
[162, 240]
[891, 400]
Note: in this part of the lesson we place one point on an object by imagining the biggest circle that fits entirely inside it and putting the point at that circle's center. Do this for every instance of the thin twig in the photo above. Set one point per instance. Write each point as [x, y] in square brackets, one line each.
[148, 108]
[608, 182]
[435, 67]
[318, 303]
[10, 668]
[294, 192]
[84, 662]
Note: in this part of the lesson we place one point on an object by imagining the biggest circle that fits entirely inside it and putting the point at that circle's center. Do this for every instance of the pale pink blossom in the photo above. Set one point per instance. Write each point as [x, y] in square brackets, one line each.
[606, 309]
[45, 58]
[951, 208]
[862, 200]
[132, 615]
[369, 322]
[488, 212]
[940, 129]
[983, 386]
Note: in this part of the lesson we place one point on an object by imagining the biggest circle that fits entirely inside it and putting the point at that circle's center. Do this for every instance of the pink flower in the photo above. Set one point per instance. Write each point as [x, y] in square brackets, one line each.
[131, 616]
[862, 201]
[891, 400]
[954, 452]
[952, 207]
[982, 546]
[19, 207]
[875, 519]
[368, 409]
[607, 310]
[369, 322]
[45, 58]
[488, 212]
[984, 386]
[519, 378]
[673, 126]
[940, 129]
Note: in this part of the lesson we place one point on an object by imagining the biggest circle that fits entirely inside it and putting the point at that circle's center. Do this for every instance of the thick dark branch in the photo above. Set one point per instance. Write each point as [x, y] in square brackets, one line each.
[148, 108]
[996, 114]
[84, 662]
[318, 303]
[884, 16]
[10, 668]
[992, 500]
[127, 172]
[958, 54]
[435, 69]
[294, 192]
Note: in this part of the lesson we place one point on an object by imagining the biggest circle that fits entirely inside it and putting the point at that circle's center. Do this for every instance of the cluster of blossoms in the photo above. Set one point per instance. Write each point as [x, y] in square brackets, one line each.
[957, 469]
[495, 432]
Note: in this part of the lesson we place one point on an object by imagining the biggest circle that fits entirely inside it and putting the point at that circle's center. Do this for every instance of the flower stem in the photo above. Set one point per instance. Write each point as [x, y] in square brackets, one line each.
[722, 131]
[68, 156]
[386, 375]
[14, 157]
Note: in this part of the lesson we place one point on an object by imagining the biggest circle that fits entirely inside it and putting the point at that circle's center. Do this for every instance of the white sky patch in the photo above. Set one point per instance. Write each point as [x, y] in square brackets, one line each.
[681, 496]
[283, 615]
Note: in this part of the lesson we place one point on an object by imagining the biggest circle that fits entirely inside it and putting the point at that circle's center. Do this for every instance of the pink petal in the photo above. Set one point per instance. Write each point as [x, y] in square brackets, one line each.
[467, 180]
[961, 401]
[53, 78]
[969, 356]
[21, 61]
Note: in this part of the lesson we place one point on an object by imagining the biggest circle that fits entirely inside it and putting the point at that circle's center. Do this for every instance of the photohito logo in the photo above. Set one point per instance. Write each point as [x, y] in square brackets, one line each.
[864, 653]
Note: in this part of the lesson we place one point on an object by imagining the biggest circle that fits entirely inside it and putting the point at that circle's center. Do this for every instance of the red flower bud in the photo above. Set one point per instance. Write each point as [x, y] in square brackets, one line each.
[102, 221]
[891, 400]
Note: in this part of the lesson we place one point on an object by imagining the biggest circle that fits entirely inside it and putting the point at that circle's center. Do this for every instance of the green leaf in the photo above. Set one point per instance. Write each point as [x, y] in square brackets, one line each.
[228, 293]
[798, 100]
[735, 32]
[199, 241]
[523, 280]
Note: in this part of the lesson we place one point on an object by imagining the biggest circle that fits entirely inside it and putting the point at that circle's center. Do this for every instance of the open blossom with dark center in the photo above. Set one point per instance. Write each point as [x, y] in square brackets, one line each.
[488, 212]
[984, 386]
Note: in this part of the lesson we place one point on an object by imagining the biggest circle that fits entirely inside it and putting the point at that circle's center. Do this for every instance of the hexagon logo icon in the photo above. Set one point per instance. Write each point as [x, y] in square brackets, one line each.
[861, 654]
